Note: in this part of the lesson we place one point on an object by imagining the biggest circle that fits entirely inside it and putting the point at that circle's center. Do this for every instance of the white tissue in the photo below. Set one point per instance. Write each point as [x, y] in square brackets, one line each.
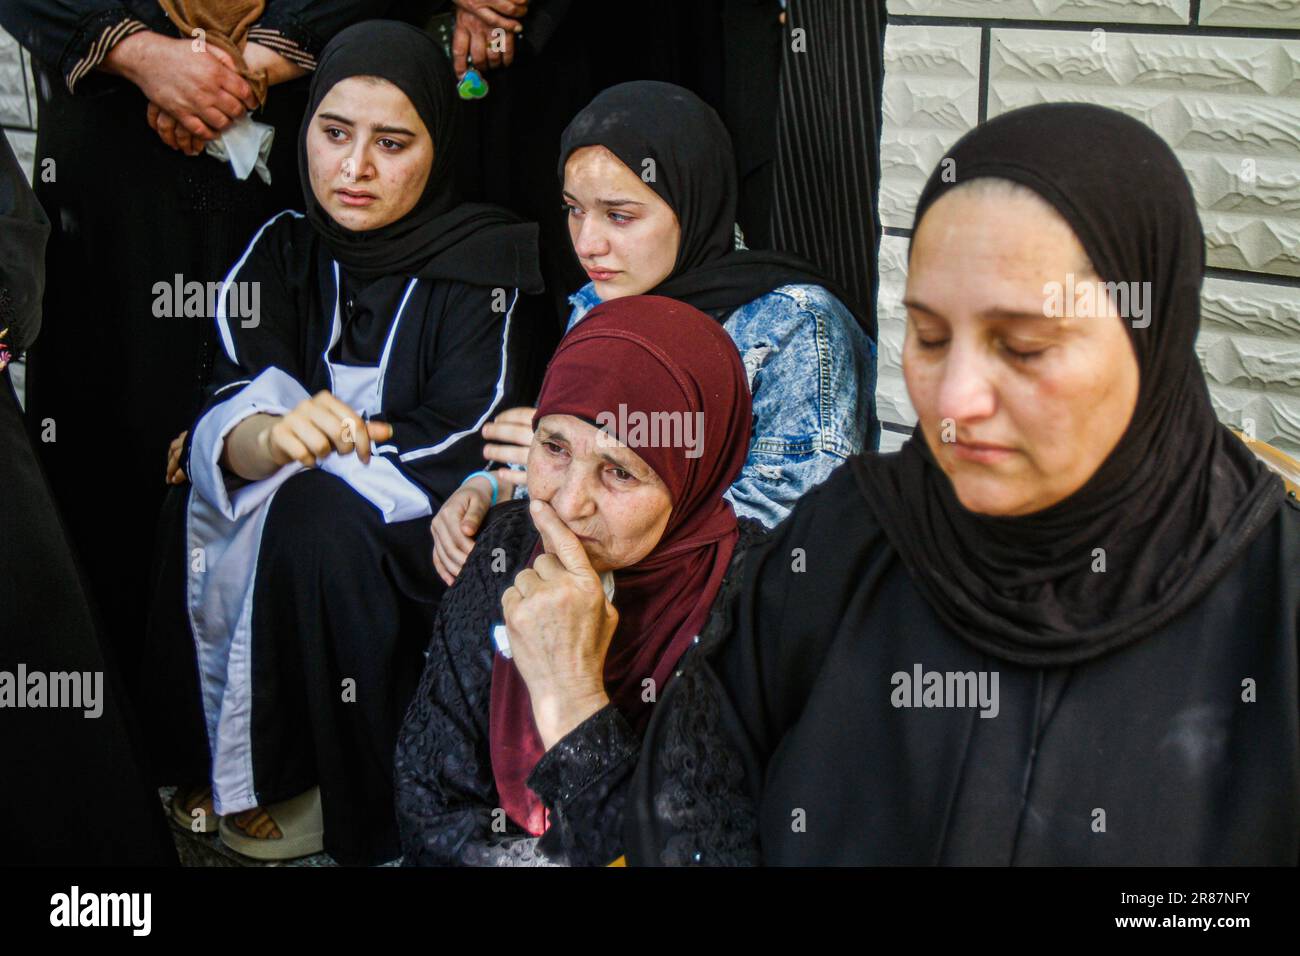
[247, 145]
[502, 640]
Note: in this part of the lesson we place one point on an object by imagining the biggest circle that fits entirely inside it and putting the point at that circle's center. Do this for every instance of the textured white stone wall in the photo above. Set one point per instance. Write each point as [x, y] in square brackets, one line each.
[17, 100]
[18, 120]
[1224, 92]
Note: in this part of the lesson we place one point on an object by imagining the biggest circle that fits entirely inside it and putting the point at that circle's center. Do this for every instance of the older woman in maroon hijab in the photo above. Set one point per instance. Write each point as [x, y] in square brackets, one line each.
[574, 610]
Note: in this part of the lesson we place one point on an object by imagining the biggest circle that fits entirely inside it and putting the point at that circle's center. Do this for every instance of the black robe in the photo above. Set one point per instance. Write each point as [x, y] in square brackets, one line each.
[315, 678]
[785, 743]
[54, 757]
[60, 761]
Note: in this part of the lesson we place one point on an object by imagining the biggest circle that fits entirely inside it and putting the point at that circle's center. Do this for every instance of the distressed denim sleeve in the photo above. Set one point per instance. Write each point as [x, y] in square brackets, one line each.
[813, 374]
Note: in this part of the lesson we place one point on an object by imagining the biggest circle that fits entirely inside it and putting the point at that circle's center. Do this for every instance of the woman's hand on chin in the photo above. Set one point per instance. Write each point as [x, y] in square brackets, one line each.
[560, 625]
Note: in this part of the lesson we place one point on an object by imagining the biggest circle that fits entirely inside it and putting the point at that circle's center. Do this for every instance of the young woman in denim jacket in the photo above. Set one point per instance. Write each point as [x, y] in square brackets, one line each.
[650, 187]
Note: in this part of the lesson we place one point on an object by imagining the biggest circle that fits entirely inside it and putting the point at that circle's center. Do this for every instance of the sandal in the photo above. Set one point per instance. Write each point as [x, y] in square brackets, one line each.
[301, 825]
[188, 799]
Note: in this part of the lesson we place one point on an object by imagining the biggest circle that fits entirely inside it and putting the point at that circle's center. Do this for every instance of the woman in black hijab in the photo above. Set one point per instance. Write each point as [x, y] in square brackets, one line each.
[650, 187]
[680, 148]
[364, 345]
[1060, 625]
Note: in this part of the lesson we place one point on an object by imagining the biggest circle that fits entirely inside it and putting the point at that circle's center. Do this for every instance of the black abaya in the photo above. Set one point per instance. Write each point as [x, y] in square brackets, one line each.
[1131, 648]
[75, 789]
[783, 745]
[339, 590]
[314, 592]
[59, 762]
[334, 673]
[827, 141]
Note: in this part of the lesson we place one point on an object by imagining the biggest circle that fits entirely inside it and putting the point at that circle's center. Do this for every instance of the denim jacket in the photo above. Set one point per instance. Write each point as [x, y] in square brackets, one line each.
[812, 374]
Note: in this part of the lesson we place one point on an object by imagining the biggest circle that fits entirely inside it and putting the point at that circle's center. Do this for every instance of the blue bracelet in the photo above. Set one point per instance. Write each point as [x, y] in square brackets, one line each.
[492, 480]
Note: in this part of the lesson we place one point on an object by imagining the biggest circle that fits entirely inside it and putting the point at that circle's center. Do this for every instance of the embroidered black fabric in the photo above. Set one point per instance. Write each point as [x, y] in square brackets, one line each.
[698, 798]
[447, 808]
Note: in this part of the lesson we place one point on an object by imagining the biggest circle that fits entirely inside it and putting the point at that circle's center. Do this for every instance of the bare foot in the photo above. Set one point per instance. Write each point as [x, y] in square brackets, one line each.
[189, 799]
[256, 823]
[200, 798]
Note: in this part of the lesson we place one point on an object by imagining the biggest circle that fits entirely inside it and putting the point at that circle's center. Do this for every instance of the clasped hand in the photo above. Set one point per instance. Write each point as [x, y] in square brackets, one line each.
[194, 94]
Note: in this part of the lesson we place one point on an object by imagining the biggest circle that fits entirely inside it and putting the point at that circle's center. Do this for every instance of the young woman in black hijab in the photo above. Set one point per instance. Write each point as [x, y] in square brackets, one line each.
[364, 345]
[1060, 625]
[650, 187]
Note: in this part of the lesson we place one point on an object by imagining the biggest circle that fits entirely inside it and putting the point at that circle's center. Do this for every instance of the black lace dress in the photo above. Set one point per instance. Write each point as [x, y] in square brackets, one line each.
[447, 808]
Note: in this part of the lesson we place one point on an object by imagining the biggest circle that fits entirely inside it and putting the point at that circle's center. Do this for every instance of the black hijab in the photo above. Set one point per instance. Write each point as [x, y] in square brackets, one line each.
[440, 238]
[1176, 501]
[24, 228]
[695, 174]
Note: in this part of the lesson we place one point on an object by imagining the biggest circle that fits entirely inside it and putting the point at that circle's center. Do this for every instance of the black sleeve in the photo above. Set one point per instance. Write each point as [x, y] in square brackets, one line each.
[72, 36]
[583, 780]
[275, 263]
[249, 340]
[474, 374]
[695, 796]
[447, 808]
[693, 800]
[299, 29]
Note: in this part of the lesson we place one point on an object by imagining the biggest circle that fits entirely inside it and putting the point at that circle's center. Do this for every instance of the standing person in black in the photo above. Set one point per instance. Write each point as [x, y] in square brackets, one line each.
[58, 761]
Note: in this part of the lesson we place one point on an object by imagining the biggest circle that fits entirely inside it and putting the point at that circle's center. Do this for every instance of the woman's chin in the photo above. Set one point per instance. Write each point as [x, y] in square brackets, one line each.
[985, 495]
[609, 291]
[597, 561]
[357, 219]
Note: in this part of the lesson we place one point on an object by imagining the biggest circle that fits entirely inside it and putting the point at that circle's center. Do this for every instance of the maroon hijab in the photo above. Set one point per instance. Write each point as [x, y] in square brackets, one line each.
[651, 355]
